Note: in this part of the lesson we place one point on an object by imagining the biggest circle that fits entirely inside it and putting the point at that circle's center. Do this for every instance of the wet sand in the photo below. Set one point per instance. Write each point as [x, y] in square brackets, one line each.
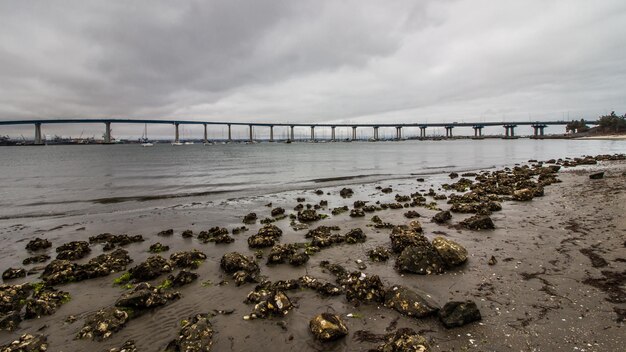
[543, 294]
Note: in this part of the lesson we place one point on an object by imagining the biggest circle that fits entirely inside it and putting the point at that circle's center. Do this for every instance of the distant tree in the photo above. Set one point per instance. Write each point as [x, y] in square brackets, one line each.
[612, 123]
[577, 126]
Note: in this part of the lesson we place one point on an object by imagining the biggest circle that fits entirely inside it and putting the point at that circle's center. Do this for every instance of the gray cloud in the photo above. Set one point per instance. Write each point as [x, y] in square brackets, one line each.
[312, 61]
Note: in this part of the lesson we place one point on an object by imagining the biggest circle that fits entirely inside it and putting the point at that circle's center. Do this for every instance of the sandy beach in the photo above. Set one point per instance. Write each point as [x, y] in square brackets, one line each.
[549, 277]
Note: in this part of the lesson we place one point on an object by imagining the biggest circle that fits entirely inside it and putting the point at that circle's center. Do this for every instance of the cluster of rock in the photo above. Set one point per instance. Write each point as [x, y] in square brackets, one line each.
[35, 300]
[360, 288]
[102, 324]
[111, 241]
[27, 343]
[243, 269]
[61, 271]
[216, 235]
[195, 335]
[265, 237]
[323, 236]
[419, 256]
[291, 253]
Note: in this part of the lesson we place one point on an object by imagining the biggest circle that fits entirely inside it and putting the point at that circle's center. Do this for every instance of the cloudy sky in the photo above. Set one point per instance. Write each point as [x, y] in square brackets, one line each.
[313, 61]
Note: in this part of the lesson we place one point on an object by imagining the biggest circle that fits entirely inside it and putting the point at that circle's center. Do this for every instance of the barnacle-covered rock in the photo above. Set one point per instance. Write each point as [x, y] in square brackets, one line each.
[452, 253]
[38, 244]
[442, 217]
[216, 234]
[404, 340]
[420, 259]
[455, 313]
[250, 218]
[27, 343]
[102, 324]
[73, 250]
[13, 273]
[409, 302]
[195, 335]
[182, 278]
[328, 327]
[308, 215]
[379, 254]
[402, 238]
[151, 268]
[274, 304]
[355, 236]
[45, 301]
[478, 222]
[144, 296]
[188, 259]
[361, 288]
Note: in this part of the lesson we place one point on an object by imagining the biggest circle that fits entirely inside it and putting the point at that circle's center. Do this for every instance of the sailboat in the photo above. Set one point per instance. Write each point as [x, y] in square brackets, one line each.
[144, 138]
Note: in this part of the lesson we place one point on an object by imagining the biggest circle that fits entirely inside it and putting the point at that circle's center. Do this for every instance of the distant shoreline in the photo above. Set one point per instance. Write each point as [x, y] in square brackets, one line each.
[618, 137]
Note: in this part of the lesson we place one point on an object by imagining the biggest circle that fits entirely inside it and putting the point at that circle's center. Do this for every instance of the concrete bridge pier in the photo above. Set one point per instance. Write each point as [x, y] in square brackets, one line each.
[398, 133]
[38, 134]
[206, 140]
[251, 135]
[176, 135]
[291, 135]
[271, 133]
[449, 131]
[353, 133]
[107, 132]
[422, 131]
[538, 130]
[478, 130]
[313, 133]
[332, 133]
[376, 133]
[509, 130]
[230, 136]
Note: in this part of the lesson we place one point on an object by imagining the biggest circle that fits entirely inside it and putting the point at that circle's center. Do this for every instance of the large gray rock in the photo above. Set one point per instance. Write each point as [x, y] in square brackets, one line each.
[452, 253]
[455, 313]
[410, 303]
[423, 259]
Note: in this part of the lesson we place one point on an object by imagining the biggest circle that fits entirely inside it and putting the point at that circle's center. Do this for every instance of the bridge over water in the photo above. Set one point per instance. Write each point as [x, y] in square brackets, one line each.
[509, 127]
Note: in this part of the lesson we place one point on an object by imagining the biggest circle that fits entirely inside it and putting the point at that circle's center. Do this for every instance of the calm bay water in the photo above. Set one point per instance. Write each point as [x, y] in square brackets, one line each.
[73, 180]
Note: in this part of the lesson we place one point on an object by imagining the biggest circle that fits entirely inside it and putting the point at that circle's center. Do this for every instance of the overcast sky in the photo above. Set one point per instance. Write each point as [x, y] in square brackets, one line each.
[313, 61]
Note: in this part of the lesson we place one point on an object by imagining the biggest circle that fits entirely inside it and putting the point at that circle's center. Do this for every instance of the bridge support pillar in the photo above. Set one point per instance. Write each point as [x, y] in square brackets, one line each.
[176, 135]
[313, 133]
[376, 133]
[478, 131]
[251, 135]
[206, 140]
[291, 134]
[332, 133]
[538, 130]
[38, 134]
[107, 132]
[449, 131]
[422, 131]
[230, 136]
[271, 133]
[509, 130]
[398, 133]
[353, 133]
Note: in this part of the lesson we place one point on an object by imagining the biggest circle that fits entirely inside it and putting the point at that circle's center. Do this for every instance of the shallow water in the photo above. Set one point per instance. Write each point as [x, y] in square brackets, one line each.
[74, 180]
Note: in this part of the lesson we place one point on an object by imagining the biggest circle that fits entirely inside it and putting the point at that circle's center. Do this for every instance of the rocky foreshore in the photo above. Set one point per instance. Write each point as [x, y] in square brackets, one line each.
[494, 260]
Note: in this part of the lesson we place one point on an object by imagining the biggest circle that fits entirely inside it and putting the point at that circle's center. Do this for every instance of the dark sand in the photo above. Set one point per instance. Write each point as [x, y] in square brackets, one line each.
[543, 294]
